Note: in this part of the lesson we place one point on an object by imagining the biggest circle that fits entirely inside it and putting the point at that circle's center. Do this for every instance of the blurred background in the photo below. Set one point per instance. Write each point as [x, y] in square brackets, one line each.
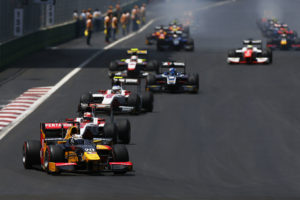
[28, 16]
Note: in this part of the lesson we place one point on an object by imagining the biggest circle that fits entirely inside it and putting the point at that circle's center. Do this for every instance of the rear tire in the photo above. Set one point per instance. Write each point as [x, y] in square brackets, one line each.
[124, 131]
[190, 43]
[147, 101]
[31, 153]
[153, 65]
[150, 80]
[85, 100]
[194, 80]
[134, 100]
[110, 131]
[113, 66]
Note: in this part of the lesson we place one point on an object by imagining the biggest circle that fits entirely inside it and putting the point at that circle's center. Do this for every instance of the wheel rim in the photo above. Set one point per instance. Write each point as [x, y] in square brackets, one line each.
[24, 154]
[46, 161]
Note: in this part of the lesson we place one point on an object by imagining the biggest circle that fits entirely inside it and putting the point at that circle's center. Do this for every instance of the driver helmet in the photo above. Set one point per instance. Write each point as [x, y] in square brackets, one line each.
[116, 89]
[172, 71]
[133, 58]
[87, 116]
[249, 47]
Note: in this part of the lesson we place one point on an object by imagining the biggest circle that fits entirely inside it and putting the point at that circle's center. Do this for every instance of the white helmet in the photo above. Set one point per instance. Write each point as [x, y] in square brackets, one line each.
[116, 89]
[134, 58]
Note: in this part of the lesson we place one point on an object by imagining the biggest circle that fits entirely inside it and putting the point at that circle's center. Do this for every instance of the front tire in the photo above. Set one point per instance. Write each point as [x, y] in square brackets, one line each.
[120, 153]
[53, 154]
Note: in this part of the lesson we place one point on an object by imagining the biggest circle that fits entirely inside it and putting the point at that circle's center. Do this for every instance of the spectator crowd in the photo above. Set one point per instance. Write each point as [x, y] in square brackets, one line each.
[114, 22]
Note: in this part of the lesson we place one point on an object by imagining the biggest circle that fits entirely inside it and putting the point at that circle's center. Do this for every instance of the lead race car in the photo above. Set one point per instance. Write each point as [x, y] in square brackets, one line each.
[62, 149]
[250, 53]
[173, 80]
[133, 67]
[117, 100]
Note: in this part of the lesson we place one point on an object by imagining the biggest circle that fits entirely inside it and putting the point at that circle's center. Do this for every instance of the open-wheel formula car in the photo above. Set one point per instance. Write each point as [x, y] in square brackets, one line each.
[284, 42]
[160, 31]
[117, 100]
[250, 53]
[133, 67]
[175, 40]
[272, 28]
[118, 130]
[60, 149]
[171, 79]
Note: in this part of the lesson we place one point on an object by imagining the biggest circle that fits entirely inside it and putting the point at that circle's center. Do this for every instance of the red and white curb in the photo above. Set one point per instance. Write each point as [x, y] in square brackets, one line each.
[18, 107]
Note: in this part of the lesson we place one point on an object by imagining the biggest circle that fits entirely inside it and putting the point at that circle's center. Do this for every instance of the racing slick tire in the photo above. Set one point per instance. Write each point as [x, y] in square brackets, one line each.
[150, 80]
[113, 66]
[85, 99]
[153, 65]
[124, 131]
[190, 45]
[55, 154]
[110, 131]
[186, 30]
[194, 80]
[120, 154]
[134, 100]
[31, 153]
[268, 53]
[147, 101]
[231, 53]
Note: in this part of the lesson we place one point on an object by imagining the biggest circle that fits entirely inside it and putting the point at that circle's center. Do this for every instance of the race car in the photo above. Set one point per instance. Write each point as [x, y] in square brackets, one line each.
[175, 40]
[133, 67]
[272, 28]
[283, 42]
[60, 149]
[118, 130]
[176, 26]
[251, 53]
[117, 100]
[173, 80]
[160, 31]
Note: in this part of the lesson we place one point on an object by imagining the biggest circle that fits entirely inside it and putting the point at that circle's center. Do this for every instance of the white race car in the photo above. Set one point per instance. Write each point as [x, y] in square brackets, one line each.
[116, 100]
[133, 67]
[251, 53]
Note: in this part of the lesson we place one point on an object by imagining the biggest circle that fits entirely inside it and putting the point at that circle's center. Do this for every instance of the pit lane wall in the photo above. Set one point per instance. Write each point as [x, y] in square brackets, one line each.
[13, 50]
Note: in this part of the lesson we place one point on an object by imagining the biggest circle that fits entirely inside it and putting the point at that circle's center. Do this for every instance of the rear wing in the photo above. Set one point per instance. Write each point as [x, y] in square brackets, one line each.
[56, 130]
[119, 80]
[252, 42]
[178, 65]
[157, 28]
[135, 51]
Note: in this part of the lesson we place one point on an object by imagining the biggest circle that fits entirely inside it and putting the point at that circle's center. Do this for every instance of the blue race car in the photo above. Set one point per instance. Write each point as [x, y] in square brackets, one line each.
[172, 80]
[175, 40]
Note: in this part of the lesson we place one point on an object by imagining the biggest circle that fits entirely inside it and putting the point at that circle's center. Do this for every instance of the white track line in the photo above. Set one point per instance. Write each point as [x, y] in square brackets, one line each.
[77, 69]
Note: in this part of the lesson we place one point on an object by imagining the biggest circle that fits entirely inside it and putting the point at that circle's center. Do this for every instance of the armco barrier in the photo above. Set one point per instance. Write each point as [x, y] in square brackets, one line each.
[15, 49]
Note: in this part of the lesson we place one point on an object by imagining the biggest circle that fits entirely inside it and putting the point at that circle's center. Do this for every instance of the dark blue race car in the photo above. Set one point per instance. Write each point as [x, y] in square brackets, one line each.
[170, 79]
[175, 40]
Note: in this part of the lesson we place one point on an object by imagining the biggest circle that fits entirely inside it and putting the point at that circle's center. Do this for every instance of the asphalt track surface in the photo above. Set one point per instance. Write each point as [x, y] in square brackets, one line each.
[237, 139]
